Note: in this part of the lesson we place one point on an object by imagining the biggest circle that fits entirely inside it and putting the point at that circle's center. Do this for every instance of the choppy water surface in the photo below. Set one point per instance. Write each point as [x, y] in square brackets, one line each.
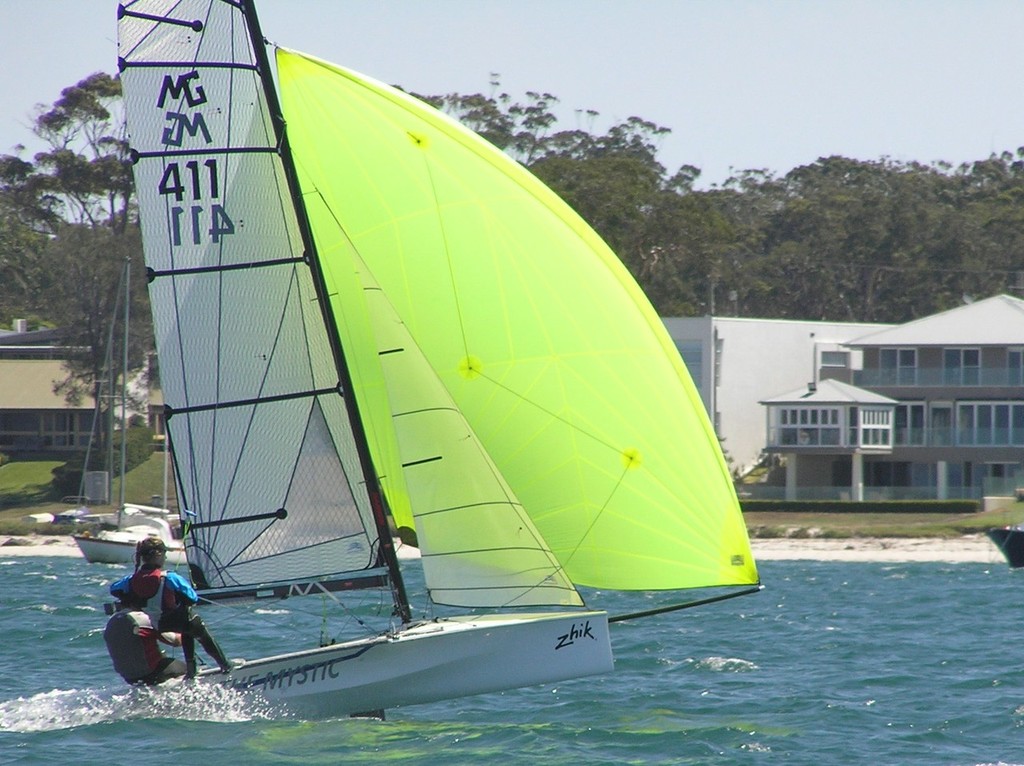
[831, 664]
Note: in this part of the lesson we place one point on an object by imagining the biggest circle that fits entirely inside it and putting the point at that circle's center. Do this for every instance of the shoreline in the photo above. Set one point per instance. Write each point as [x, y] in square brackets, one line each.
[955, 550]
[967, 549]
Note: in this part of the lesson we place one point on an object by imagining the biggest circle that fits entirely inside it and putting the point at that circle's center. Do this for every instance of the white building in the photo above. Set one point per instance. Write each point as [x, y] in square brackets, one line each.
[738, 362]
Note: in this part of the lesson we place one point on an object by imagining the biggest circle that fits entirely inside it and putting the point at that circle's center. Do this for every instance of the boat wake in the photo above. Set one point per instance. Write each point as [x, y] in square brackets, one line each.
[71, 708]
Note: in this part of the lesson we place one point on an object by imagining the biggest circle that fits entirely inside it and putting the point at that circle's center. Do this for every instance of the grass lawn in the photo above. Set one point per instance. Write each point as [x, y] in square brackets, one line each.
[782, 524]
[24, 488]
[26, 482]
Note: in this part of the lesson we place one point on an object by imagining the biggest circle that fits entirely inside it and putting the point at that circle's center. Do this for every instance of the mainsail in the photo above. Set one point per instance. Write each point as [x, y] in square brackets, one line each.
[267, 463]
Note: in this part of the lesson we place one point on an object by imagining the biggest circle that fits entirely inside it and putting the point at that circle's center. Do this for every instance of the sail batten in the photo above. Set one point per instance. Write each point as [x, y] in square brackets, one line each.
[223, 268]
[228, 404]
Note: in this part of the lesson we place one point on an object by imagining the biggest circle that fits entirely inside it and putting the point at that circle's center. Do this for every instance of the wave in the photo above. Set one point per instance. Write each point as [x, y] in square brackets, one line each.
[70, 708]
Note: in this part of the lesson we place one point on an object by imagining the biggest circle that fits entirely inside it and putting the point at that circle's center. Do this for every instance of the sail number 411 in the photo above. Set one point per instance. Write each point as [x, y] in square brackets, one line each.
[197, 183]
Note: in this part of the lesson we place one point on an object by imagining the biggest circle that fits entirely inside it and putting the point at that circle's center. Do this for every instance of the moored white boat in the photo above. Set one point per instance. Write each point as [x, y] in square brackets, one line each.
[117, 546]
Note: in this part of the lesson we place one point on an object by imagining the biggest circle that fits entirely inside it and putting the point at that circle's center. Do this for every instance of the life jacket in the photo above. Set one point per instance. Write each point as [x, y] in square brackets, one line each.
[150, 586]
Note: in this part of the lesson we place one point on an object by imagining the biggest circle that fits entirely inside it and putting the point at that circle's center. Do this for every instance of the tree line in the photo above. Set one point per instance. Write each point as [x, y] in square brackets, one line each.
[839, 239]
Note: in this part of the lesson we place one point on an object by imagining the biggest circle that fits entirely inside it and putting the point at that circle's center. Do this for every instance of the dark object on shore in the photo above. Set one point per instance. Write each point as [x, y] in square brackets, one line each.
[1009, 540]
[17, 541]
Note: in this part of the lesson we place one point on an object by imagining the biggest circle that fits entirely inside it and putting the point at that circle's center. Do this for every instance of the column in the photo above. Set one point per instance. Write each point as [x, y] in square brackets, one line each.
[941, 480]
[857, 482]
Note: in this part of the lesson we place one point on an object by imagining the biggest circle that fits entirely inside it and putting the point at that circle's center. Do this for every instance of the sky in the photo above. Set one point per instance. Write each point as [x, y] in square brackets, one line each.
[742, 84]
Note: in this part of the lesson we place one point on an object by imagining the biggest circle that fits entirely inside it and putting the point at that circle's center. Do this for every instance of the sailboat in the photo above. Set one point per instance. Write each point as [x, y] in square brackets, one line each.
[135, 522]
[371, 321]
[1010, 542]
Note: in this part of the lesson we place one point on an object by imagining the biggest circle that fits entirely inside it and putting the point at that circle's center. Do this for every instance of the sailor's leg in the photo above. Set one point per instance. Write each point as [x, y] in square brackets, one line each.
[188, 649]
[197, 628]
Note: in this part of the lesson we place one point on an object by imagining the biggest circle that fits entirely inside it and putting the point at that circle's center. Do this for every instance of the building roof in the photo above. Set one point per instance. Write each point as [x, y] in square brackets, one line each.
[830, 392]
[27, 384]
[31, 337]
[995, 321]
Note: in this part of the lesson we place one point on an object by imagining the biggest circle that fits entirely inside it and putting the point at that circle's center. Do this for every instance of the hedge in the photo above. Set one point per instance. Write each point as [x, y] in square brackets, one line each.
[868, 506]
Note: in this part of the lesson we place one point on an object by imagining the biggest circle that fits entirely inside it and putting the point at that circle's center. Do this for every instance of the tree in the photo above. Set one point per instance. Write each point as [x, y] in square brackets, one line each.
[86, 171]
[68, 233]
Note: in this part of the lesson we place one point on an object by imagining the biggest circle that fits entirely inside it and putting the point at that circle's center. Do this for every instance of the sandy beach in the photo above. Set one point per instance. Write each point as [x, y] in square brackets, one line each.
[38, 545]
[966, 549]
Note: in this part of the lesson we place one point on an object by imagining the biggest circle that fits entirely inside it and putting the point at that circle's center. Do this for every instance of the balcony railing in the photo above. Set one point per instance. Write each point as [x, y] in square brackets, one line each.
[939, 377]
[825, 436]
[902, 437]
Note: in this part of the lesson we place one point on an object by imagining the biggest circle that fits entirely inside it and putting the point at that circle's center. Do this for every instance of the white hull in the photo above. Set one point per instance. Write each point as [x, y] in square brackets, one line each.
[446, 658]
[119, 548]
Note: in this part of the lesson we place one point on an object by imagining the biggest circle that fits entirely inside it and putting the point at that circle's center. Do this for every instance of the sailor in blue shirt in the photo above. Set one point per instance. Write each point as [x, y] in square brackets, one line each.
[172, 602]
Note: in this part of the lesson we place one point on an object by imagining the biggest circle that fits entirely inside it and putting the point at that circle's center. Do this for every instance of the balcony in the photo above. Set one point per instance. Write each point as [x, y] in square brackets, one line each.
[938, 377]
[811, 437]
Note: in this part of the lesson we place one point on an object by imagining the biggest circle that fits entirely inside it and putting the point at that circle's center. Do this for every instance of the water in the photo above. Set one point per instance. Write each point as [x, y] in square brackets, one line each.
[831, 664]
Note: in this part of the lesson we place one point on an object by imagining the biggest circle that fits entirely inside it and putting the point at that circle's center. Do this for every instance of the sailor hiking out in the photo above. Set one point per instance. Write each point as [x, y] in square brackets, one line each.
[132, 642]
[168, 601]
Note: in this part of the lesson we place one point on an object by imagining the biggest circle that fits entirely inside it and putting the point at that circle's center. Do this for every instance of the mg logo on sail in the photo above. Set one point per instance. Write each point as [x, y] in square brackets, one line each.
[181, 86]
[175, 89]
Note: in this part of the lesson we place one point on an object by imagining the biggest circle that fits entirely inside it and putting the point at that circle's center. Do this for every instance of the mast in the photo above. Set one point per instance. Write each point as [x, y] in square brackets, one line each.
[387, 548]
[124, 387]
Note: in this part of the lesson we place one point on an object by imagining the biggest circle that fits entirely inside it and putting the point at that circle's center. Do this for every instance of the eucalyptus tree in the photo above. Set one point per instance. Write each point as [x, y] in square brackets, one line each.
[70, 216]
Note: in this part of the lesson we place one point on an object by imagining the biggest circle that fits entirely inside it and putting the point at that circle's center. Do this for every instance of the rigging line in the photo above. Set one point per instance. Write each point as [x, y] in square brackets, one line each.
[676, 607]
[285, 618]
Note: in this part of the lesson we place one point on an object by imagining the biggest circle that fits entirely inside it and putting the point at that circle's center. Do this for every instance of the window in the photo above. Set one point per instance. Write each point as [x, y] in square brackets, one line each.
[988, 423]
[809, 426]
[693, 358]
[26, 422]
[1015, 367]
[835, 358]
[875, 427]
[908, 424]
[961, 366]
[898, 366]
